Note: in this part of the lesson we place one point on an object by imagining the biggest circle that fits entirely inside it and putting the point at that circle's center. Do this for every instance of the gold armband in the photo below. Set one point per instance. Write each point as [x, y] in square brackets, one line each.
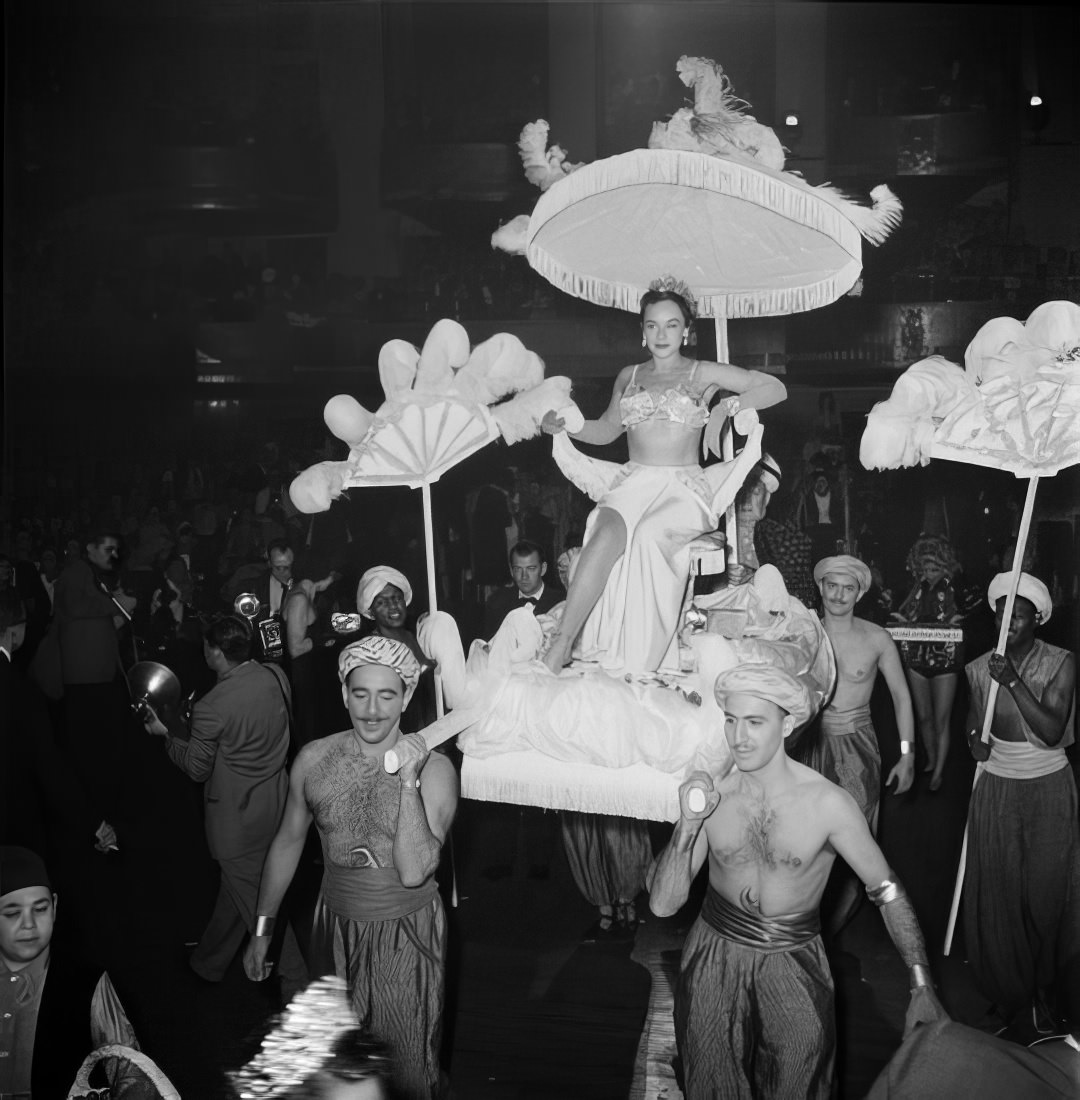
[264, 926]
[920, 977]
[888, 891]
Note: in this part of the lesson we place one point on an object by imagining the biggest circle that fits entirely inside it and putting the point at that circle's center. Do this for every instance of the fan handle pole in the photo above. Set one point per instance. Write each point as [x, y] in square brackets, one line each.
[433, 606]
[992, 694]
[727, 447]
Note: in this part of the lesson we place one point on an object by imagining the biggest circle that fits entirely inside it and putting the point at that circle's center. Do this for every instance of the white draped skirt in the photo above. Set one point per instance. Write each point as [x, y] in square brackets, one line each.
[634, 625]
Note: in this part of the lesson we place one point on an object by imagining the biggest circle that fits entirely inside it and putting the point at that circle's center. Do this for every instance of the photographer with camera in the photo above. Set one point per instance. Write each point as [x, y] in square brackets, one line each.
[236, 745]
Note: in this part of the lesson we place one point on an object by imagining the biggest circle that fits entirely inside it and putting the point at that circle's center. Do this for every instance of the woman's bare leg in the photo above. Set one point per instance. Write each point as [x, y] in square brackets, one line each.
[604, 547]
[923, 703]
[943, 689]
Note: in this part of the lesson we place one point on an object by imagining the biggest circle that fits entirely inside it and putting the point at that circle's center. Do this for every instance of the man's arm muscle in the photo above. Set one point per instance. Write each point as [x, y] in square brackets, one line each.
[288, 843]
[424, 818]
[1047, 716]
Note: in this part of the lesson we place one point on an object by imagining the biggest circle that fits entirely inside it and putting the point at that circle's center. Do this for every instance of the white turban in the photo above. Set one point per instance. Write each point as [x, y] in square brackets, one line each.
[846, 566]
[374, 581]
[1031, 588]
[388, 652]
[770, 471]
[767, 682]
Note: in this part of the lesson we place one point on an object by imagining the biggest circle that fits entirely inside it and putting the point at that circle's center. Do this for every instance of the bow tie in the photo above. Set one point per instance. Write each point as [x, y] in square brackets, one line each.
[526, 599]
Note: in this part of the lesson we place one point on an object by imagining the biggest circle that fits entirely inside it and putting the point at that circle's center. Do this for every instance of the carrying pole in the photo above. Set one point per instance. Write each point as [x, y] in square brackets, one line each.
[992, 694]
[727, 447]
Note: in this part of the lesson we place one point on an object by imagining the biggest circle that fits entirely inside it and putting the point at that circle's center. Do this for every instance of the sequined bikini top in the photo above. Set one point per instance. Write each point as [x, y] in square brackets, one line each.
[677, 403]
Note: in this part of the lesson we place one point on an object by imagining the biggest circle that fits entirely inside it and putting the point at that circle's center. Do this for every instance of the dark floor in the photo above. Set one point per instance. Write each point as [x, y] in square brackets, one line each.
[539, 1008]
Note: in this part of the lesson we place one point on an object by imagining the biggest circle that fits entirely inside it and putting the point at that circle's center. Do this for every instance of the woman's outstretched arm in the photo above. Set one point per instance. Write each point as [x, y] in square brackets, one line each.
[607, 428]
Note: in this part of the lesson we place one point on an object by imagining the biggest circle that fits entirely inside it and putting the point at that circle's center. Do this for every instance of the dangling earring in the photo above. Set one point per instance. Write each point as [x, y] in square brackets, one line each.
[643, 343]
[686, 338]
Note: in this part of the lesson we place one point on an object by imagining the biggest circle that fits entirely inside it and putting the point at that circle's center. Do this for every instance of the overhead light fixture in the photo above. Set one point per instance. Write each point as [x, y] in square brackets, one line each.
[1037, 115]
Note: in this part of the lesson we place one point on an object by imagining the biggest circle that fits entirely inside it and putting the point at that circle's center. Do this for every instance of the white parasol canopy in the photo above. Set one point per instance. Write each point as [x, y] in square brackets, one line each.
[1014, 406]
[747, 240]
[708, 203]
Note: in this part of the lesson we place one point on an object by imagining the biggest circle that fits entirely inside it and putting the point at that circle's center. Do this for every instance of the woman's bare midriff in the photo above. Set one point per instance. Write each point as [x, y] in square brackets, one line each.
[664, 443]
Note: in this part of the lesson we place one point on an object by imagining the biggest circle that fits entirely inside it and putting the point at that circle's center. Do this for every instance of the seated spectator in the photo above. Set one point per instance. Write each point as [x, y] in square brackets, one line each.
[528, 568]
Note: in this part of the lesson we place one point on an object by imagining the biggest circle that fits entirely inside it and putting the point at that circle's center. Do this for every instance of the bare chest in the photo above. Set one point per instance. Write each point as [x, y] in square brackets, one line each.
[856, 660]
[354, 802]
[749, 833]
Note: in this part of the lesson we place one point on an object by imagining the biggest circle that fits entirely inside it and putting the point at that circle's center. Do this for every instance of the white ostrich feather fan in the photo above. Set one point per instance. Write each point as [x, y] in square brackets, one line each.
[435, 415]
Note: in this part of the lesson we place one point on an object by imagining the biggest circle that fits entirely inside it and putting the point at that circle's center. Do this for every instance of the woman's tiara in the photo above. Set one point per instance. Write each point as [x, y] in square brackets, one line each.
[668, 284]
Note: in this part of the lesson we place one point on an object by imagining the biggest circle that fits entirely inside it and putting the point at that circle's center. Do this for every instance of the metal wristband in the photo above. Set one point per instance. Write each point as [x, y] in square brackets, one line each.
[920, 977]
[264, 926]
[413, 785]
[889, 890]
[905, 748]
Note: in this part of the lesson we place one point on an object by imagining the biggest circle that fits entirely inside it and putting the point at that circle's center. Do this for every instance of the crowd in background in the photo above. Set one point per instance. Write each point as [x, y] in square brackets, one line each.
[192, 538]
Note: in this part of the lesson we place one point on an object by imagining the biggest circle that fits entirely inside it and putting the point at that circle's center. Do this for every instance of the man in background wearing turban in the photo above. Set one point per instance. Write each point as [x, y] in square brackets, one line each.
[849, 753]
[754, 1000]
[383, 596]
[1022, 886]
[379, 921]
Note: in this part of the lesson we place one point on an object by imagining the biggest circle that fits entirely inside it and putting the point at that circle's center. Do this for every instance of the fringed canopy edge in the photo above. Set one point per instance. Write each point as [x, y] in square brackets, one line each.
[824, 210]
[744, 303]
[531, 778]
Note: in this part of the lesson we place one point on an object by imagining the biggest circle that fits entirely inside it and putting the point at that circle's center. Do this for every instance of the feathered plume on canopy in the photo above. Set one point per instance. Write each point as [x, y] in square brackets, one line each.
[1014, 405]
[443, 403]
[708, 199]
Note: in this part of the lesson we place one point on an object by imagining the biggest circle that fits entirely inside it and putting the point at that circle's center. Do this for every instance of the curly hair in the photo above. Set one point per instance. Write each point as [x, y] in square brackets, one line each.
[935, 548]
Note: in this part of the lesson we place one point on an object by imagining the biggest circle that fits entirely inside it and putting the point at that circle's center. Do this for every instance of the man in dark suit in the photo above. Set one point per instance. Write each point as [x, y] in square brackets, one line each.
[270, 585]
[90, 610]
[528, 568]
[236, 745]
[39, 793]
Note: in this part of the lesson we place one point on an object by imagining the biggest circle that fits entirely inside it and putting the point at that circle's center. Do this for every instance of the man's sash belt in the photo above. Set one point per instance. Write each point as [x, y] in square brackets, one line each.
[372, 893]
[1022, 760]
[754, 930]
[838, 722]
